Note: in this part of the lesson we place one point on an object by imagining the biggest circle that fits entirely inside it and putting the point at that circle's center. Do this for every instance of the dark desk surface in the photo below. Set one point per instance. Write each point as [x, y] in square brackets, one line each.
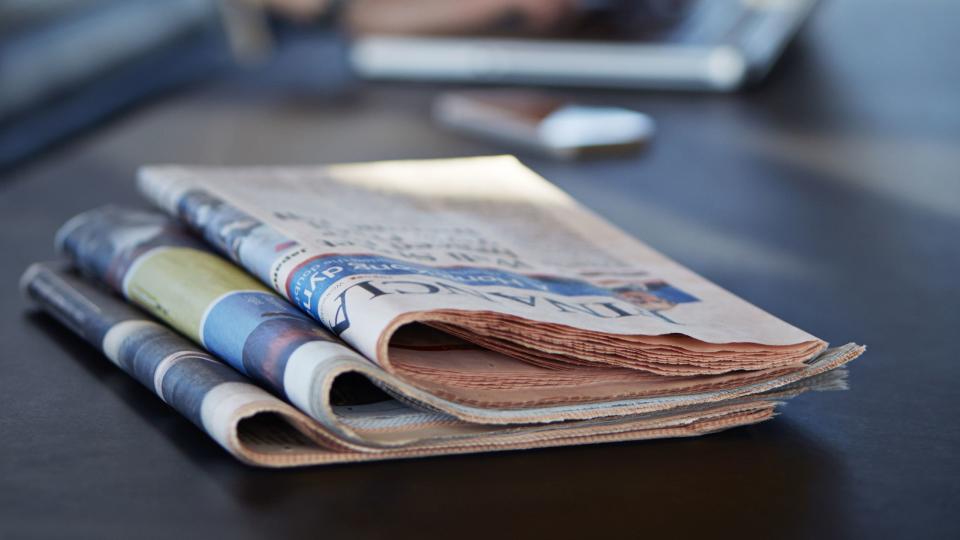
[829, 196]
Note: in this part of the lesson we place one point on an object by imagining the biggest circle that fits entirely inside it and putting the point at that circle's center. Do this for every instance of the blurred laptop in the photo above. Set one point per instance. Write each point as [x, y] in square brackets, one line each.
[716, 45]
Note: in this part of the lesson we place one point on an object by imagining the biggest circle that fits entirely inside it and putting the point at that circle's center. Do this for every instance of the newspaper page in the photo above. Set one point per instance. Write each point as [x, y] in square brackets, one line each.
[155, 264]
[260, 429]
[482, 249]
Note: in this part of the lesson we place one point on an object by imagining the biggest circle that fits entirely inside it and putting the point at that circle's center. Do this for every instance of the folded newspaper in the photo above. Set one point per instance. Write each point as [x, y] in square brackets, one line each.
[413, 308]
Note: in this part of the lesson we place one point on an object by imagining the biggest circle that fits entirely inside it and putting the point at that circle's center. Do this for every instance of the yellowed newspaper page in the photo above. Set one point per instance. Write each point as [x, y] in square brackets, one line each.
[482, 249]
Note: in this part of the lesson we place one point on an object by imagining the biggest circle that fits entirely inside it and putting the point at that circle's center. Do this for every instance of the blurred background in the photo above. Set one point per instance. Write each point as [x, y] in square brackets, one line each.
[69, 65]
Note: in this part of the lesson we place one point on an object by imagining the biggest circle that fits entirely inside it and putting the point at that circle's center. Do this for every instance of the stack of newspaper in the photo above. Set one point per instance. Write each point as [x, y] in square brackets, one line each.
[402, 309]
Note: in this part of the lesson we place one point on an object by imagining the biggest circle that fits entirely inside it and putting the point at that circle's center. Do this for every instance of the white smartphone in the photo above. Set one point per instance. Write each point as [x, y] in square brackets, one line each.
[544, 122]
